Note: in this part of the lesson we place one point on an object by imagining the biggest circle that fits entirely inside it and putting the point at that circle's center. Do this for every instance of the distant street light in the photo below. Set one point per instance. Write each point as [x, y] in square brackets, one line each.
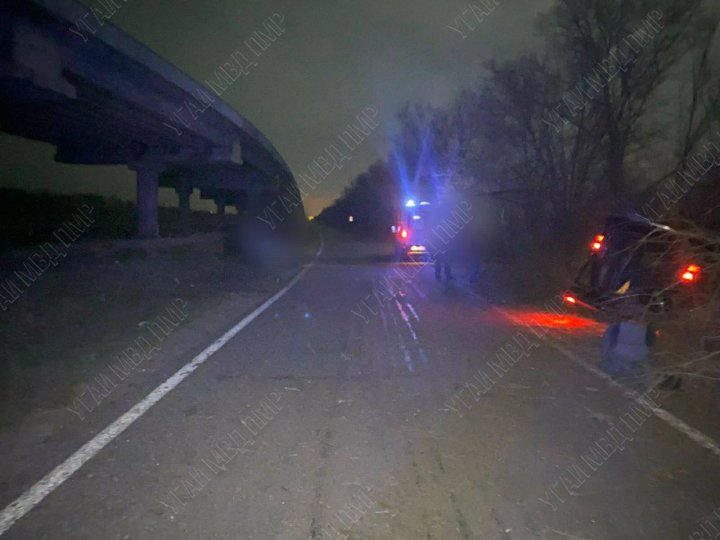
[351, 219]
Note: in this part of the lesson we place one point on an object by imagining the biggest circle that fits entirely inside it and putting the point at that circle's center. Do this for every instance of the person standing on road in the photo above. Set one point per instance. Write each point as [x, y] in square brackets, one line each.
[440, 250]
[442, 262]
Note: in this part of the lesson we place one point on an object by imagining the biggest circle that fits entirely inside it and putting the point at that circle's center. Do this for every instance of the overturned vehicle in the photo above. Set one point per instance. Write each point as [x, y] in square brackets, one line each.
[642, 269]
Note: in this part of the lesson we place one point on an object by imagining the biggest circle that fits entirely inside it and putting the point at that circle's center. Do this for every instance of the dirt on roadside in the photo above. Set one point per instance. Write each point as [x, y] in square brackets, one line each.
[72, 322]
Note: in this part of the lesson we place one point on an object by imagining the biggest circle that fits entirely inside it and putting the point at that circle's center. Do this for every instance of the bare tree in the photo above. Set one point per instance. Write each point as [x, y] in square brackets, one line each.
[506, 144]
[616, 54]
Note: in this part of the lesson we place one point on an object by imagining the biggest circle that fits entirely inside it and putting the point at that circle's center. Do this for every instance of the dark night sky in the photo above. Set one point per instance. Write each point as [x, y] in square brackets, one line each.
[335, 58]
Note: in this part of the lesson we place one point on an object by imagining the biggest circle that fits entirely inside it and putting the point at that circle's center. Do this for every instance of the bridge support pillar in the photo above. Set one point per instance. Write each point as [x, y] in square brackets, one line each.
[184, 191]
[254, 202]
[220, 202]
[147, 202]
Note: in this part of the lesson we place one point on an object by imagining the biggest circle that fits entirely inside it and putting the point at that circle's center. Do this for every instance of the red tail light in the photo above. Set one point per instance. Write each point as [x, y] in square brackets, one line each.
[691, 274]
[597, 242]
[404, 233]
[569, 299]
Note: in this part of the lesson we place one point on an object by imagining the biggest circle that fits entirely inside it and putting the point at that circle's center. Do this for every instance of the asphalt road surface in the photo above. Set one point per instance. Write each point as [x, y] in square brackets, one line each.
[425, 412]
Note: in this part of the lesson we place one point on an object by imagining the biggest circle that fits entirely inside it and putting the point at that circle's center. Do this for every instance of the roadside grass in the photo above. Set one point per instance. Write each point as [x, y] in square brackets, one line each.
[29, 218]
[70, 324]
[129, 254]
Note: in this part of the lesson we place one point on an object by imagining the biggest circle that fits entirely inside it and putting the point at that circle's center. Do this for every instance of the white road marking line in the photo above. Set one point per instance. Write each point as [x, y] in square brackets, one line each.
[410, 328]
[667, 417]
[55, 478]
[406, 320]
[670, 419]
[412, 310]
[401, 341]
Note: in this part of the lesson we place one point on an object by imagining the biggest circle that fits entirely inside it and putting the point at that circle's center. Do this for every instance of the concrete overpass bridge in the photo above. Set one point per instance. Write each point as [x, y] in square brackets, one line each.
[103, 98]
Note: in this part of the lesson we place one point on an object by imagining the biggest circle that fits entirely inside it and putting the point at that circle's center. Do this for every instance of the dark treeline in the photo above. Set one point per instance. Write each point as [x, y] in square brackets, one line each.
[29, 219]
[370, 199]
